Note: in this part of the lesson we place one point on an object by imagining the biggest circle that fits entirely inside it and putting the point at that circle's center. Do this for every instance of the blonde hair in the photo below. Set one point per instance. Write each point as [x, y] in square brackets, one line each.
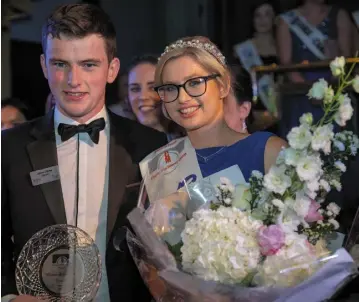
[202, 56]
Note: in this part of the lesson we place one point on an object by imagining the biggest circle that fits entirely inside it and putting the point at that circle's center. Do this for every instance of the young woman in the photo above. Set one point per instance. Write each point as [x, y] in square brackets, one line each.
[144, 101]
[194, 83]
[260, 49]
[314, 31]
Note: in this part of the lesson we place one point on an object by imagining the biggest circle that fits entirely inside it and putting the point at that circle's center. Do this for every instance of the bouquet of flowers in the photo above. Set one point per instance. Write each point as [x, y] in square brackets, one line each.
[265, 240]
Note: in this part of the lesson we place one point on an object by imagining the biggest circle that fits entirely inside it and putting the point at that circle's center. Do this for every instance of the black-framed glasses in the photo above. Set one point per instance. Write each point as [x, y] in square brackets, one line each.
[194, 87]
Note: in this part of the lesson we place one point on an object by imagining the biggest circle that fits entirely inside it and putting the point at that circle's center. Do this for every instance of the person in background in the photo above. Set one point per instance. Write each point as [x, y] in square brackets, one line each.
[312, 32]
[122, 107]
[260, 49]
[144, 101]
[13, 113]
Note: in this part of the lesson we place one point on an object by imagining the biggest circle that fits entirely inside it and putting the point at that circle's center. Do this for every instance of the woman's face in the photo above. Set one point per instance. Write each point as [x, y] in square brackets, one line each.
[192, 112]
[144, 100]
[263, 18]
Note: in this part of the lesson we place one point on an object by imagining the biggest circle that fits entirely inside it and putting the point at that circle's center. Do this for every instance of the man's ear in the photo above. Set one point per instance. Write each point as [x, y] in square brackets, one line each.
[43, 65]
[113, 70]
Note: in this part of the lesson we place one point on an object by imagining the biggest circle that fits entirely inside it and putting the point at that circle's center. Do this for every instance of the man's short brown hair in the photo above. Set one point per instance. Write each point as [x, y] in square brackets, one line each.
[79, 21]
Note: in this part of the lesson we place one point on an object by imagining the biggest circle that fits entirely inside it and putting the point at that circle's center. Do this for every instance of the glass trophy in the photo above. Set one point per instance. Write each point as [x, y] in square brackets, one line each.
[59, 263]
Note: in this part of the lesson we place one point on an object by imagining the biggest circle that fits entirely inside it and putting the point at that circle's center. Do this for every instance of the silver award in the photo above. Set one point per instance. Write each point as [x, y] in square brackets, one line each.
[59, 263]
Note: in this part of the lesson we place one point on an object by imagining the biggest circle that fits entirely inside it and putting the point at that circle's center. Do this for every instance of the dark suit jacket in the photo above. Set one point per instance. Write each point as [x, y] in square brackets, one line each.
[26, 209]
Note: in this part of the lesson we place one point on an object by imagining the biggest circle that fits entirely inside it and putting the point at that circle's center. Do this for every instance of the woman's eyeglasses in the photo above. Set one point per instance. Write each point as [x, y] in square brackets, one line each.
[194, 87]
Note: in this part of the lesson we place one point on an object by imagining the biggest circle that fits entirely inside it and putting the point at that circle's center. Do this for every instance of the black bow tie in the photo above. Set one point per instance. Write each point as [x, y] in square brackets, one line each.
[93, 129]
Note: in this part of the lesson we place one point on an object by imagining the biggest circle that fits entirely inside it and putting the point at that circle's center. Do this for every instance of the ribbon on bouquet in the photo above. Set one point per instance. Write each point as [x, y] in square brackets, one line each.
[249, 57]
[310, 35]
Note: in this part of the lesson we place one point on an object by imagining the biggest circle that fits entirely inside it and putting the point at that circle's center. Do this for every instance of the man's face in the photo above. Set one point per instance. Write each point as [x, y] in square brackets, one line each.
[78, 70]
[10, 117]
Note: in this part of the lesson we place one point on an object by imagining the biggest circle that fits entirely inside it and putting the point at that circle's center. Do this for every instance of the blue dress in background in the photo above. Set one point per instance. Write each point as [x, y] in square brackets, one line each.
[294, 106]
[247, 153]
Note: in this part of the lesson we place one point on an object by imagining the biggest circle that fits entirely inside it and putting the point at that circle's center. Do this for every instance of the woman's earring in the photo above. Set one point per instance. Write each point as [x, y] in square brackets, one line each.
[244, 127]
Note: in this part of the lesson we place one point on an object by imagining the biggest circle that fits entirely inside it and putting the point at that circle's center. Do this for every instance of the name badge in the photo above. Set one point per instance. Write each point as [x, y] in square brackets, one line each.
[46, 175]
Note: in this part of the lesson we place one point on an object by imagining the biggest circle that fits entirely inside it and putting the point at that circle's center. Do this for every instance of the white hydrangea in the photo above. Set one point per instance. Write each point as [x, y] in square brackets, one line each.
[322, 138]
[276, 180]
[345, 111]
[300, 137]
[356, 84]
[220, 245]
[318, 89]
[337, 66]
[309, 168]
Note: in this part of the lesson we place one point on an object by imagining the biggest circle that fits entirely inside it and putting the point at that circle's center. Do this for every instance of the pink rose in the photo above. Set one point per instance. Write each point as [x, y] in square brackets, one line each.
[313, 214]
[270, 239]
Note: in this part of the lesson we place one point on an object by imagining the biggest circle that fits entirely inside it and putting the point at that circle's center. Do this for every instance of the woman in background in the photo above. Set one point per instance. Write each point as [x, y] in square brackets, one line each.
[260, 49]
[143, 99]
[312, 32]
[121, 107]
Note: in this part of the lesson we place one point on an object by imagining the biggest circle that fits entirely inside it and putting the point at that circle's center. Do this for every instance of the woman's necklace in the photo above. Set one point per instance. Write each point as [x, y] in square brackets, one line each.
[207, 158]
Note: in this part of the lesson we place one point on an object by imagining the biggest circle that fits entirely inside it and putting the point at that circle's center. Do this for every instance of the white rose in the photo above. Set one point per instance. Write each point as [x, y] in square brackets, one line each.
[340, 166]
[337, 66]
[276, 180]
[317, 91]
[299, 137]
[322, 137]
[306, 118]
[309, 168]
[345, 111]
[356, 84]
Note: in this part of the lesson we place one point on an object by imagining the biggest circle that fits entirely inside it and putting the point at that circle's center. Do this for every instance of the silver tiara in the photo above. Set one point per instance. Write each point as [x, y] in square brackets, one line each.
[197, 44]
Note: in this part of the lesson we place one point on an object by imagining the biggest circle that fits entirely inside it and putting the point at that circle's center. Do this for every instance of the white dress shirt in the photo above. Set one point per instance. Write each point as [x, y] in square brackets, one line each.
[93, 184]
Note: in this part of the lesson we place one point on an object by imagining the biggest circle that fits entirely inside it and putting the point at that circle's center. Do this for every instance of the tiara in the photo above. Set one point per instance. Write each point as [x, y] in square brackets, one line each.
[197, 44]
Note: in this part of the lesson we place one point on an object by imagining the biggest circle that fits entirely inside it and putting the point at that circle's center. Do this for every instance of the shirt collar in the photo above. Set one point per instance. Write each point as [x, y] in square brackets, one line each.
[59, 117]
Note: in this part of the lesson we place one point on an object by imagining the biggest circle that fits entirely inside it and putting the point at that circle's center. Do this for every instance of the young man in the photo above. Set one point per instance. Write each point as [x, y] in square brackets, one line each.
[94, 151]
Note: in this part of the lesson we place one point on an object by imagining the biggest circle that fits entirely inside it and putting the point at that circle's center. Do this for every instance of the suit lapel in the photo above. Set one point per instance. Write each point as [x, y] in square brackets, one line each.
[121, 172]
[43, 154]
